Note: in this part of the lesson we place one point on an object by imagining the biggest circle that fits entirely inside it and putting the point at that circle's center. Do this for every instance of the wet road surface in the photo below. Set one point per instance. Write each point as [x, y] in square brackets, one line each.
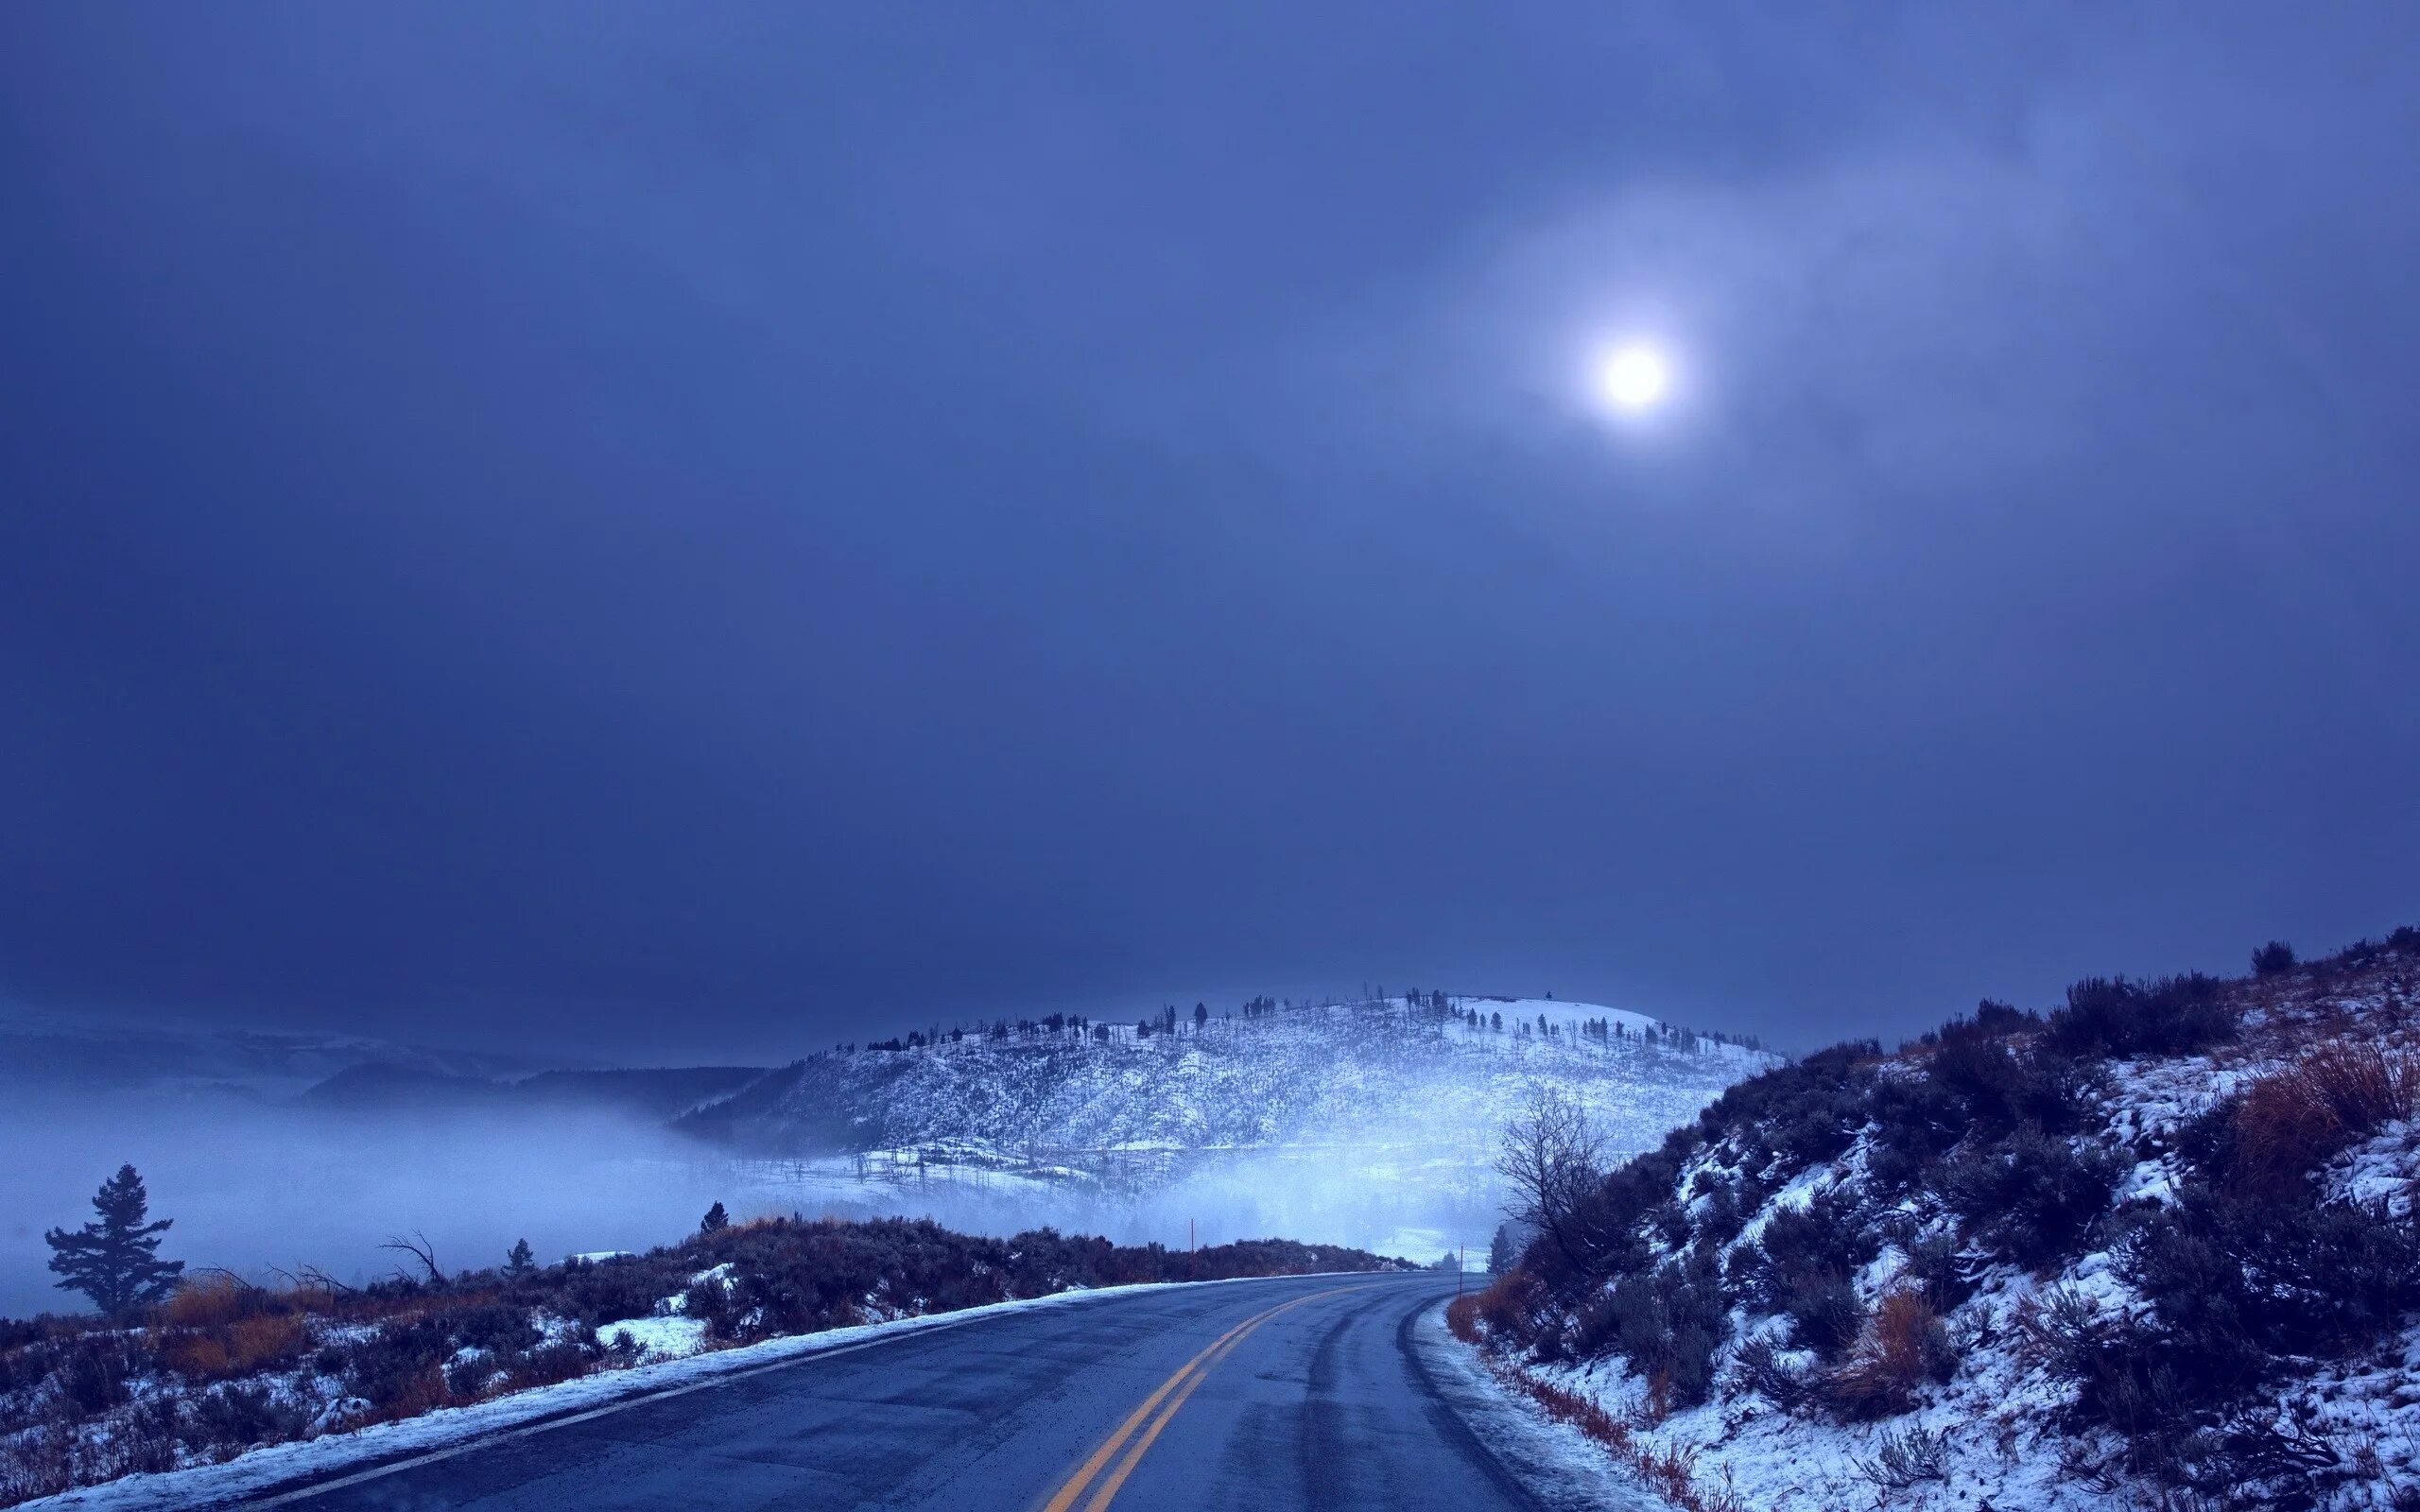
[1300, 1393]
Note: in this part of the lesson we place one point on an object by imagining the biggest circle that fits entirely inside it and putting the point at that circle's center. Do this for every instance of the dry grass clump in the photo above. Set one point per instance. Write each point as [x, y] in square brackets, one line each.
[2363, 1085]
[211, 1299]
[238, 1349]
[1509, 1306]
[1461, 1317]
[2298, 1118]
[1902, 1347]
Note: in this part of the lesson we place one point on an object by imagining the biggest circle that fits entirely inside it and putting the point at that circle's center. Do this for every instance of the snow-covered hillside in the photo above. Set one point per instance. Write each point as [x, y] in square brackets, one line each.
[2157, 1249]
[1363, 1074]
[1372, 1124]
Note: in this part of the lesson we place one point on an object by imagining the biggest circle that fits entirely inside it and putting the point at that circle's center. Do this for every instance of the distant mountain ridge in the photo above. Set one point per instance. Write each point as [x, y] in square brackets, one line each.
[56, 1051]
[659, 1093]
[61, 1051]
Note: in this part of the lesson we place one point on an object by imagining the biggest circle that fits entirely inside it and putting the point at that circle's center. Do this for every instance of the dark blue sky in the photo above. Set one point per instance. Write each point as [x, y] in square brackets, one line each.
[612, 528]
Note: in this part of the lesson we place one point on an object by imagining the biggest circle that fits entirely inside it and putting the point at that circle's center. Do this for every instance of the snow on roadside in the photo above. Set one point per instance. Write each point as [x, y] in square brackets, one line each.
[656, 1338]
[1561, 1466]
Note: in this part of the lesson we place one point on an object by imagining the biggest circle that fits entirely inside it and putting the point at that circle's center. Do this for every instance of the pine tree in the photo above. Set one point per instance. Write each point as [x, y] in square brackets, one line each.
[115, 1261]
[715, 1220]
[521, 1261]
[1501, 1254]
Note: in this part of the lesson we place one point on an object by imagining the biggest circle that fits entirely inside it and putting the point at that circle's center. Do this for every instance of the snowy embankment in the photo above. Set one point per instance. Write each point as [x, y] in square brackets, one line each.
[2157, 1249]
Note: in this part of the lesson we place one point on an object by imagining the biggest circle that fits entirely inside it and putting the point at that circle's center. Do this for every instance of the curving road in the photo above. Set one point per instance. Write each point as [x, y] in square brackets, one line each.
[1265, 1395]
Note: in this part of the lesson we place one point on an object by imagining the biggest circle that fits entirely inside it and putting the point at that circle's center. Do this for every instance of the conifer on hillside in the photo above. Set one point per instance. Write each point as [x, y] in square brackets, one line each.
[114, 1260]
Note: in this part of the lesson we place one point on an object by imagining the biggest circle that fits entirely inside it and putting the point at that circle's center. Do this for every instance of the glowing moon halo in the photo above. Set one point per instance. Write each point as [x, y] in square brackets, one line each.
[1633, 377]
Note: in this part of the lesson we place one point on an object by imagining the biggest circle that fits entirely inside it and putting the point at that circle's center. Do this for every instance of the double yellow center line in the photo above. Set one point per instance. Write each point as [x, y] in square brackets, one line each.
[1133, 1438]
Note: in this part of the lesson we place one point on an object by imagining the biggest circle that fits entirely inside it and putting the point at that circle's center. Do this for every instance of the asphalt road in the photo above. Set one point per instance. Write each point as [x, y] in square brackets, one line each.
[1263, 1395]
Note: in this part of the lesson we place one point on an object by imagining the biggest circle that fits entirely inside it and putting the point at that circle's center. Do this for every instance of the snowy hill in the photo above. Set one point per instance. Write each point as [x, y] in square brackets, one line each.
[1371, 1124]
[1377, 1073]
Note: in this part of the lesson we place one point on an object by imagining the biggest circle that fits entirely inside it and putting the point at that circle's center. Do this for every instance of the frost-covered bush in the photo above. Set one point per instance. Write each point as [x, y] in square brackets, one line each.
[2235, 1277]
[1801, 1266]
[2031, 1198]
[1906, 1458]
[243, 1415]
[1999, 1085]
[1823, 1089]
[1720, 1217]
[2239, 1286]
[1941, 1265]
[603, 1291]
[1668, 1324]
[1830, 1234]
[1823, 1311]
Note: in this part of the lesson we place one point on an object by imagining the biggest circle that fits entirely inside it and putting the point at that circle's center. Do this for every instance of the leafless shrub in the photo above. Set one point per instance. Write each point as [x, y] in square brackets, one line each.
[1906, 1458]
[2061, 1328]
[1759, 1367]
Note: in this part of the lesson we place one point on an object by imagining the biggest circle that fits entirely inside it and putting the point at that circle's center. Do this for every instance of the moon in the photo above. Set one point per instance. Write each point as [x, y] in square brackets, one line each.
[1633, 377]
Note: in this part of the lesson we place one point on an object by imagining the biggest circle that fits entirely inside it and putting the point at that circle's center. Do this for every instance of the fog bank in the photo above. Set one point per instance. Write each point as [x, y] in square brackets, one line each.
[255, 1186]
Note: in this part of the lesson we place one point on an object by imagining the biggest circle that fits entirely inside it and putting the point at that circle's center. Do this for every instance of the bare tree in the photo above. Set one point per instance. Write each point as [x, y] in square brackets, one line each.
[419, 1248]
[1553, 1159]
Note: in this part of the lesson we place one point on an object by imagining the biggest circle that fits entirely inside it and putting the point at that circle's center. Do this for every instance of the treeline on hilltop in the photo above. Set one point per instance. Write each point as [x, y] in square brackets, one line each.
[1169, 1020]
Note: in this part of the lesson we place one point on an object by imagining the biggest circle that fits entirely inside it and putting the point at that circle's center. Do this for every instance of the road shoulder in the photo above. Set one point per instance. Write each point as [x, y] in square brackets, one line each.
[1555, 1463]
